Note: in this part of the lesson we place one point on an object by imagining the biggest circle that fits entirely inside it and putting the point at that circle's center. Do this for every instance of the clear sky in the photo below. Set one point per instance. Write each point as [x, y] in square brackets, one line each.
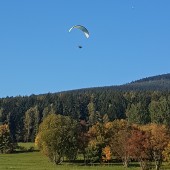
[129, 40]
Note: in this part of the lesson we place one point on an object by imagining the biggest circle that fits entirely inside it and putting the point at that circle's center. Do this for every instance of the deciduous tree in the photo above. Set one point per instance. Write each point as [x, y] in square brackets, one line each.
[139, 145]
[57, 137]
[159, 139]
[119, 141]
[6, 143]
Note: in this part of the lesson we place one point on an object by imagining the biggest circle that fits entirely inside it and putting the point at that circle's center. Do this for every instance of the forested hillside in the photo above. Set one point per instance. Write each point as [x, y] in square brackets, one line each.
[141, 102]
[160, 82]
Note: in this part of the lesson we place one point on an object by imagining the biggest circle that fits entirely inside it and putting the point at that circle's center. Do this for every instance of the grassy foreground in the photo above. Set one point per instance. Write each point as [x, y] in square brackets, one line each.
[36, 161]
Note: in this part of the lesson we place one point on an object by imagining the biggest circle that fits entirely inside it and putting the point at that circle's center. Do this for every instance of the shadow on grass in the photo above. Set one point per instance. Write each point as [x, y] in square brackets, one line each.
[21, 149]
[113, 163]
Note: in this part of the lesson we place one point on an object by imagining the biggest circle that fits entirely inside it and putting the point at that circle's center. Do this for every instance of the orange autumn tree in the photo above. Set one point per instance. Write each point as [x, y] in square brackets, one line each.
[139, 147]
[118, 142]
[159, 139]
[107, 155]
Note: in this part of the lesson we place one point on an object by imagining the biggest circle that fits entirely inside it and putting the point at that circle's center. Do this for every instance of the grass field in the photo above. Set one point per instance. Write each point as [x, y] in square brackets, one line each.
[36, 161]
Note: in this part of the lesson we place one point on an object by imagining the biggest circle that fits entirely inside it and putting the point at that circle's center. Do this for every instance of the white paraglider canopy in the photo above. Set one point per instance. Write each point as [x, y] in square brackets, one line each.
[82, 28]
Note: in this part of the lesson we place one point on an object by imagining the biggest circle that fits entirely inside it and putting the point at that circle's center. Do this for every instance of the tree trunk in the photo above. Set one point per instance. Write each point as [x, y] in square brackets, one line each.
[126, 162]
[157, 165]
[144, 165]
[158, 161]
[57, 159]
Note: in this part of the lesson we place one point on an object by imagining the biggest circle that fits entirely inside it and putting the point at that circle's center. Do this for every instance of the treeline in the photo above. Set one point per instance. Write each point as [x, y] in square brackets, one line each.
[162, 77]
[154, 83]
[24, 114]
[62, 138]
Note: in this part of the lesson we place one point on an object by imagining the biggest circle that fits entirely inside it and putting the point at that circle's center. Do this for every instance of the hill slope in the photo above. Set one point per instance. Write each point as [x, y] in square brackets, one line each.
[159, 82]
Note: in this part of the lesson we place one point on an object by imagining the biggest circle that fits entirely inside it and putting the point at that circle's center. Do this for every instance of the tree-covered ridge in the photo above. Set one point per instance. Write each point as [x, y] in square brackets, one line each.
[154, 78]
[159, 82]
[23, 114]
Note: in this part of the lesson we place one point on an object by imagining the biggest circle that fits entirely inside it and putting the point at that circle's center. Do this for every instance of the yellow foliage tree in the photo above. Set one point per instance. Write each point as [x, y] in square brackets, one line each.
[166, 153]
[6, 143]
[159, 139]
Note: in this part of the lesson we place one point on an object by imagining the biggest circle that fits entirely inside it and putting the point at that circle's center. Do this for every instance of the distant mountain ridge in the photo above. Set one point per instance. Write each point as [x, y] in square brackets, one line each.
[154, 78]
[158, 83]
[152, 83]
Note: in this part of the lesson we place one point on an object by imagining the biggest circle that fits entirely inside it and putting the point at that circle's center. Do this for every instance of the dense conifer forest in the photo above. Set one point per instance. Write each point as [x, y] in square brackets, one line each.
[141, 102]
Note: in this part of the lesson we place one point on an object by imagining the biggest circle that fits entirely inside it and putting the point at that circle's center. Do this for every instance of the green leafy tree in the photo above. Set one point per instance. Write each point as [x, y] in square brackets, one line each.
[96, 143]
[57, 137]
[92, 114]
[160, 111]
[138, 113]
[31, 123]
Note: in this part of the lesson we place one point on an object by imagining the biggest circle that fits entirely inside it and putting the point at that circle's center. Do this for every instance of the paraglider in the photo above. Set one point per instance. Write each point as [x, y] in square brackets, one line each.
[83, 29]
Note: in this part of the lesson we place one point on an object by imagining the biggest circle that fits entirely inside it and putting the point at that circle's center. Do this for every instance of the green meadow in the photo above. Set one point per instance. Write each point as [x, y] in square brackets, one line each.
[36, 161]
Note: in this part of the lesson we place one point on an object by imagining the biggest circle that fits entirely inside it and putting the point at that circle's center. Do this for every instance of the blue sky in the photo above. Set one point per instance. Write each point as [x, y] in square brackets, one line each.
[129, 40]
